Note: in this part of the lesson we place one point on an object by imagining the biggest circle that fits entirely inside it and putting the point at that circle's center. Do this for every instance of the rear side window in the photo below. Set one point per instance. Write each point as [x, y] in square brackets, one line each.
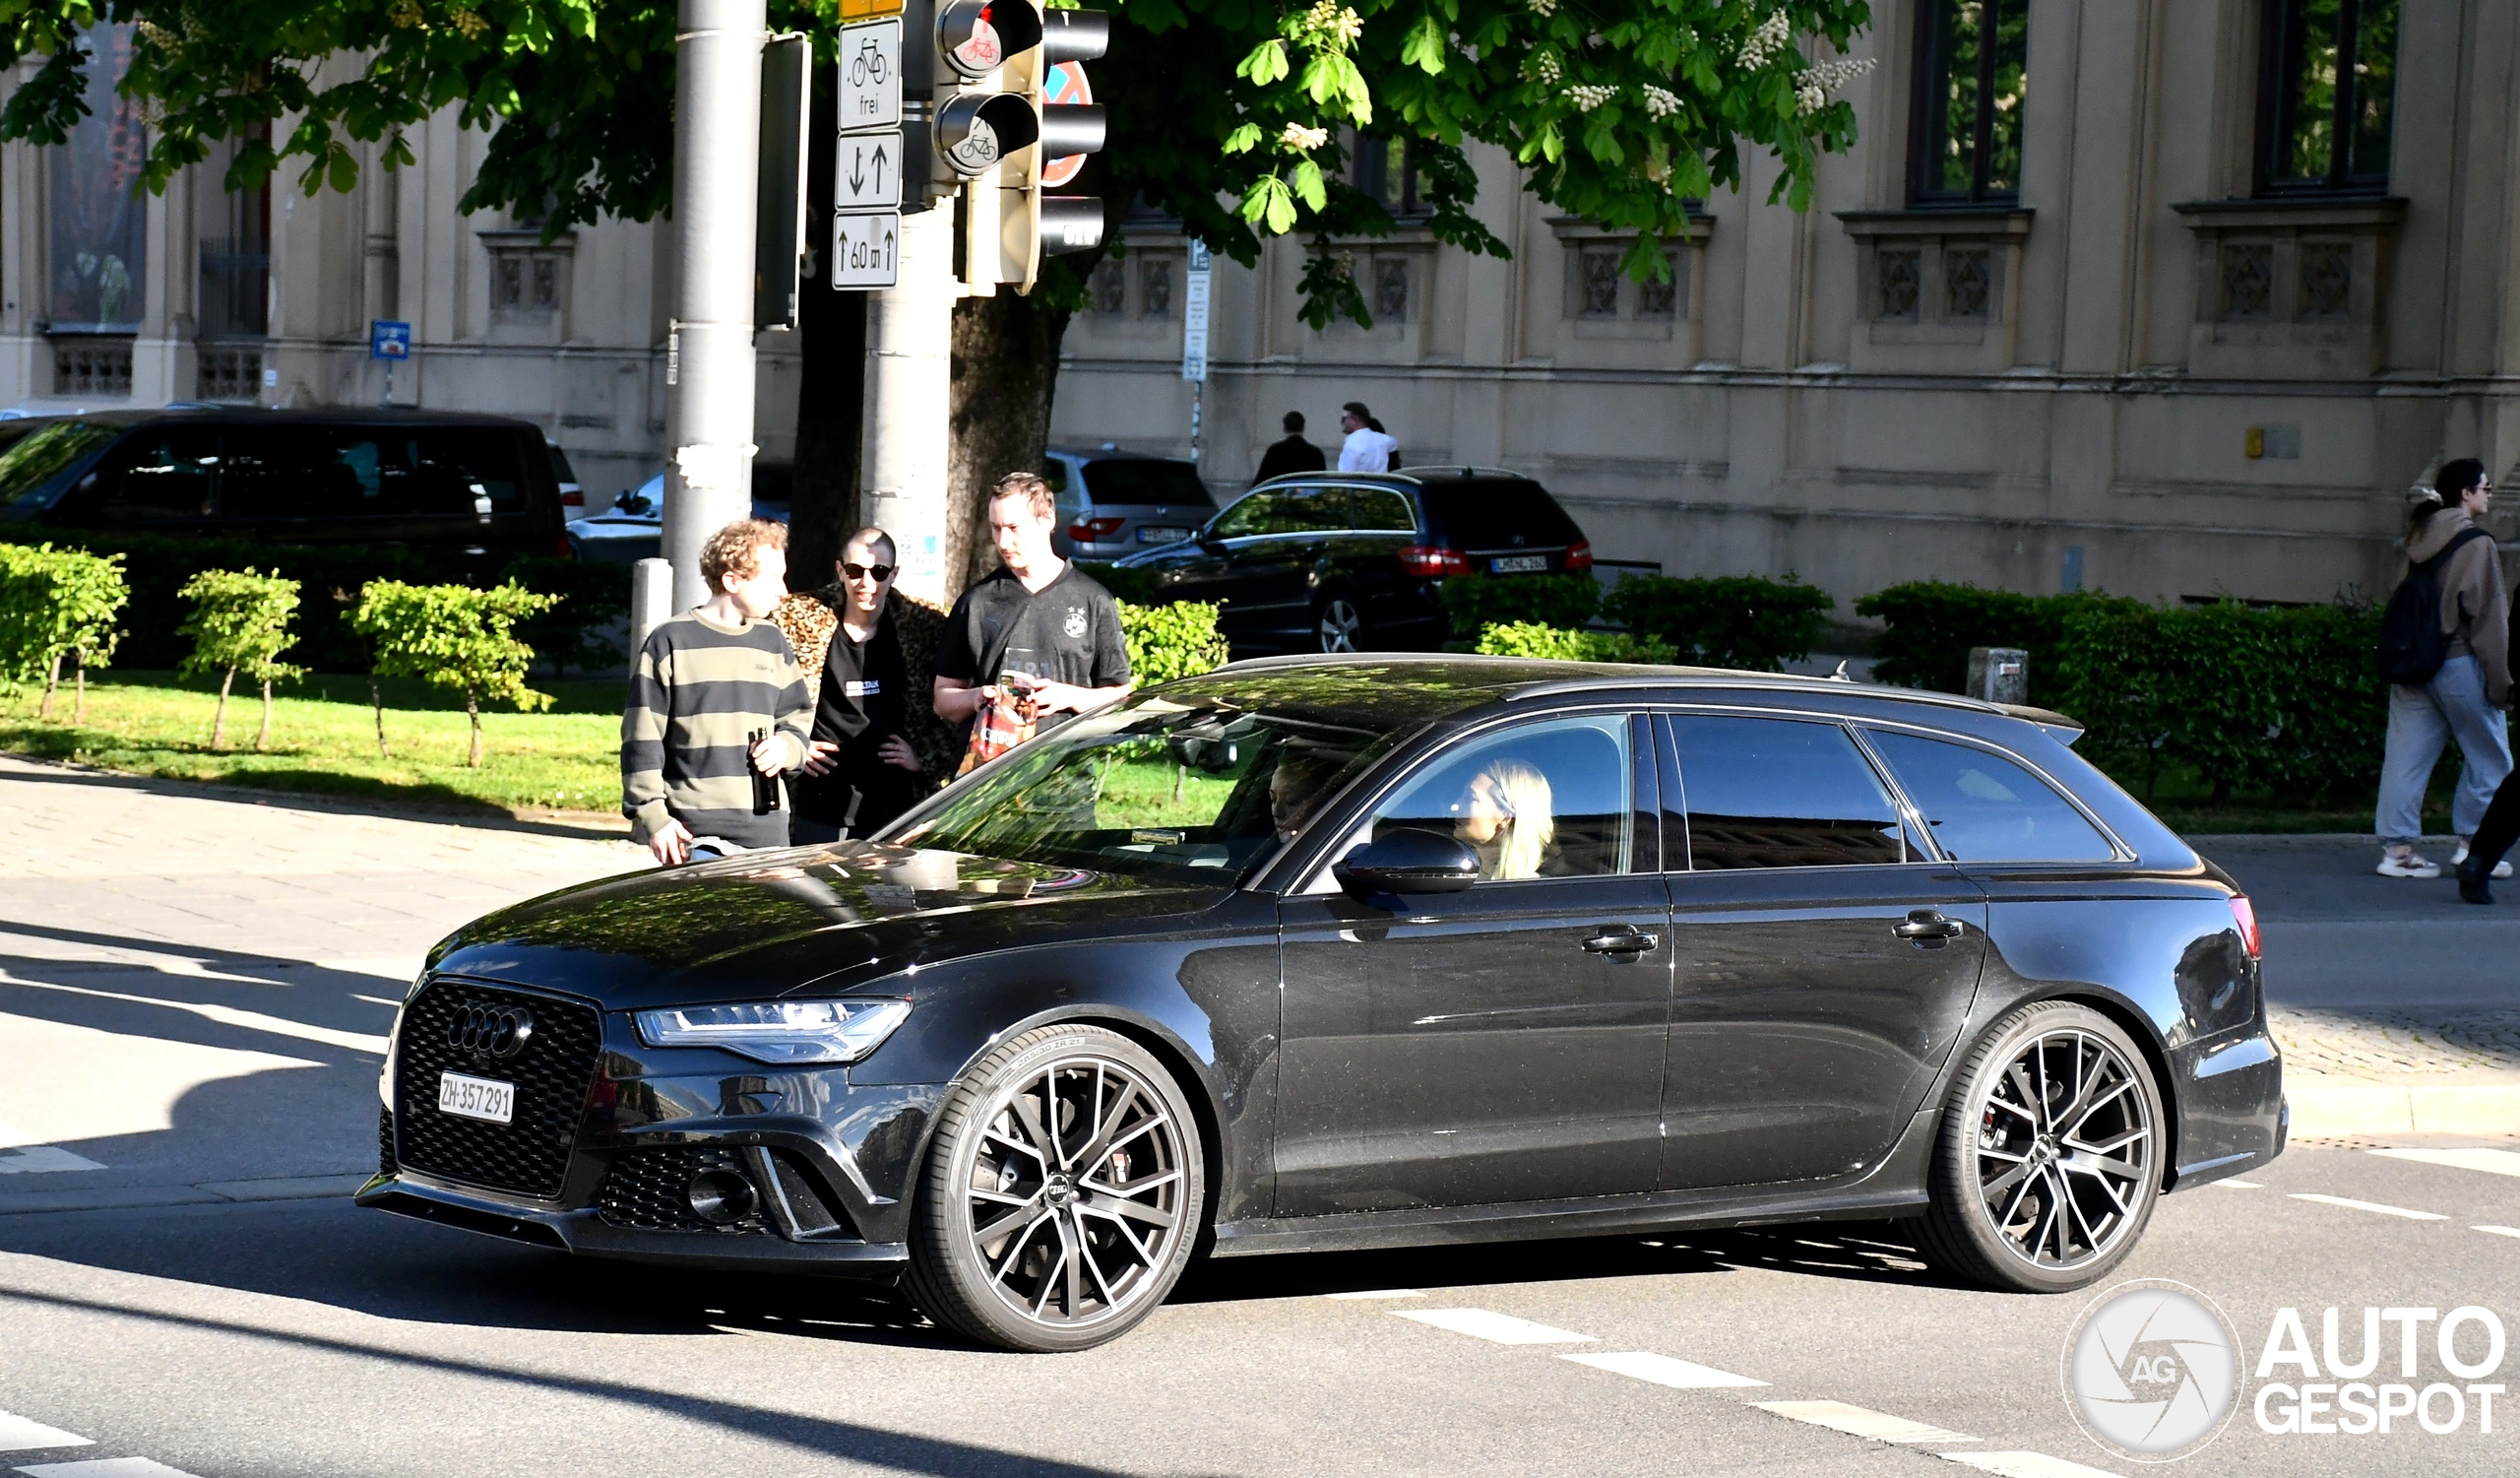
[1380, 510]
[1145, 482]
[453, 461]
[1260, 513]
[1983, 808]
[1490, 515]
[1782, 792]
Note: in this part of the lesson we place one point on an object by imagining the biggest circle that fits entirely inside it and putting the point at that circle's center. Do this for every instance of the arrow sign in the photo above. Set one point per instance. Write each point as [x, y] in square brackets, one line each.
[870, 171]
[870, 77]
[864, 251]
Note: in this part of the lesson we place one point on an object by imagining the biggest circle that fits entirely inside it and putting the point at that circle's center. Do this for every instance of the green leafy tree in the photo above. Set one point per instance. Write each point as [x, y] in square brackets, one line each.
[454, 636]
[56, 604]
[1236, 117]
[240, 622]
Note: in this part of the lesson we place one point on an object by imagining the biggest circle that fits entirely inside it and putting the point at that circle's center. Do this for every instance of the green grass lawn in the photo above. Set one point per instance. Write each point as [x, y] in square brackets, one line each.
[324, 740]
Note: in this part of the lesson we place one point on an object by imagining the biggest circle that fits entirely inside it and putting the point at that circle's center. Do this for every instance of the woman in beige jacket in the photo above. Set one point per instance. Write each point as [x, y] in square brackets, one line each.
[2466, 698]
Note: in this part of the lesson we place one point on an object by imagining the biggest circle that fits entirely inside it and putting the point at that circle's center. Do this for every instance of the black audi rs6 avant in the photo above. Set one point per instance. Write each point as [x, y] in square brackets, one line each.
[1316, 953]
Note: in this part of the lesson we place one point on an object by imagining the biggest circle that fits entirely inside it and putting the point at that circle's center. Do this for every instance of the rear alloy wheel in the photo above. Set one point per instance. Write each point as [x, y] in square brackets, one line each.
[1062, 1195]
[1339, 625]
[2050, 1157]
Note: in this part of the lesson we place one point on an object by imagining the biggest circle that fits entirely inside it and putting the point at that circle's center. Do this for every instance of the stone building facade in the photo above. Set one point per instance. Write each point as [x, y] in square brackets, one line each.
[2138, 323]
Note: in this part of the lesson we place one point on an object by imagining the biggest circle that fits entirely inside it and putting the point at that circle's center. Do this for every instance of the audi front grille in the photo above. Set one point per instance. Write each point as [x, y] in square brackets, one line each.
[545, 1045]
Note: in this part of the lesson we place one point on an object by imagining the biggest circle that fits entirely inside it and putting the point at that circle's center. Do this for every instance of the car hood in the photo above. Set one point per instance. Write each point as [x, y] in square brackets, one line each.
[768, 923]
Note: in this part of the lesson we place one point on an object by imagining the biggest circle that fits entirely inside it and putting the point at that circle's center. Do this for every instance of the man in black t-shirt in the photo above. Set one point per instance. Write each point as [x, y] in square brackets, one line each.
[1040, 618]
[861, 771]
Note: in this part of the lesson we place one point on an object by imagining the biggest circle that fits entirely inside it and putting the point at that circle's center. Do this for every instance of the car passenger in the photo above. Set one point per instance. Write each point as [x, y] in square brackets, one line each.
[1510, 820]
[1300, 783]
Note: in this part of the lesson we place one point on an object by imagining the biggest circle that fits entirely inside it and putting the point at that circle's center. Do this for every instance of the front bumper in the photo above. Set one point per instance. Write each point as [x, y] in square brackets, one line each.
[585, 1231]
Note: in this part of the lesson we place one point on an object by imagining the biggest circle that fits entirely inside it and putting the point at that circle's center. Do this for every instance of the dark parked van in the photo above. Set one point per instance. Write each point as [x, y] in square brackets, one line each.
[478, 487]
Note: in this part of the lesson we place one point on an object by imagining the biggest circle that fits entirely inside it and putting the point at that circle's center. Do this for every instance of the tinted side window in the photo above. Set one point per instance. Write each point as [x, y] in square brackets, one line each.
[1142, 481]
[1381, 510]
[1543, 800]
[1782, 792]
[1256, 514]
[456, 467]
[160, 475]
[296, 472]
[1984, 808]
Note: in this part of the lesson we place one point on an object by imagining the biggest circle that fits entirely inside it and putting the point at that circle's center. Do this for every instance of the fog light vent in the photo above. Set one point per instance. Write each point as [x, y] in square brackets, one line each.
[720, 1197]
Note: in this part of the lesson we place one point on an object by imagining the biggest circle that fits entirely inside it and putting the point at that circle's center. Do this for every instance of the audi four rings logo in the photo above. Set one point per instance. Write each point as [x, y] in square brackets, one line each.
[491, 1031]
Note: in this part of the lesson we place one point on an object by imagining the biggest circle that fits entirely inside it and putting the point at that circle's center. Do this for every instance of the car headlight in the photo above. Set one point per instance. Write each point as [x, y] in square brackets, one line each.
[780, 1031]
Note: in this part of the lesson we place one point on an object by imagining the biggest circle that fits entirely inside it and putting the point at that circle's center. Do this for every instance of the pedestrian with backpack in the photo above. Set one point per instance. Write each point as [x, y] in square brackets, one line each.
[2444, 652]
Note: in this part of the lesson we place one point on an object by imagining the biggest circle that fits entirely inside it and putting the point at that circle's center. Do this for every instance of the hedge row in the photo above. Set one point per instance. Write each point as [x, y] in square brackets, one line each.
[57, 604]
[593, 596]
[2286, 700]
[1534, 639]
[1741, 622]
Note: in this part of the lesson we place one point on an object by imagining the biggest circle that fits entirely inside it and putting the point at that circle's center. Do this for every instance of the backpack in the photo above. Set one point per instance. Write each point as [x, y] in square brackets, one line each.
[2413, 645]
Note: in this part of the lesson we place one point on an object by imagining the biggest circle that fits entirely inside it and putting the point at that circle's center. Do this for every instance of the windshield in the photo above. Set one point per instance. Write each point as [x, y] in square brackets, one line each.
[33, 470]
[1197, 787]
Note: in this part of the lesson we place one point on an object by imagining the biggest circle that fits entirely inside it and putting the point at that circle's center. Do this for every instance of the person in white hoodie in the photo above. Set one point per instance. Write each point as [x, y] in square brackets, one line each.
[1368, 449]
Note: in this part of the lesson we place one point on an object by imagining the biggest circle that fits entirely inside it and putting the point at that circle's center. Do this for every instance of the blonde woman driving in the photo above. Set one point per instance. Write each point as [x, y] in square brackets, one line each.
[1509, 820]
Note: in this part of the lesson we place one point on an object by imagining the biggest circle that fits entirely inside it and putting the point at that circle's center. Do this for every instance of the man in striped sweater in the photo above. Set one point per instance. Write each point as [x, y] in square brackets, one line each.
[704, 681]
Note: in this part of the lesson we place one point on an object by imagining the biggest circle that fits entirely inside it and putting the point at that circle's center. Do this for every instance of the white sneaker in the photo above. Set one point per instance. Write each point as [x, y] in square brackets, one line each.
[2501, 868]
[2407, 865]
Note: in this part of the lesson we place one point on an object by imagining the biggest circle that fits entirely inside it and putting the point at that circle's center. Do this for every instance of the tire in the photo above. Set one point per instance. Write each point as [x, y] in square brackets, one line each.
[1021, 1236]
[2050, 1156]
[1336, 624]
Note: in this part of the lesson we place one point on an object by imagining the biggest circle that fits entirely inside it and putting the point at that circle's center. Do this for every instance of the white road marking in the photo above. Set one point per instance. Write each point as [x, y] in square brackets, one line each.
[1503, 1328]
[1663, 1369]
[376, 1000]
[39, 1159]
[279, 1026]
[2501, 1162]
[2236, 1185]
[2026, 1465]
[19, 1435]
[1856, 1420]
[2353, 1205]
[1359, 1295]
[2501, 1231]
[105, 1467]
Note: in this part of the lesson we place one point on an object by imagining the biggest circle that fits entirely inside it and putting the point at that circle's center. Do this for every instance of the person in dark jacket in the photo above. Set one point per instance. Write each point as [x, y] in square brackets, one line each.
[1295, 454]
[860, 770]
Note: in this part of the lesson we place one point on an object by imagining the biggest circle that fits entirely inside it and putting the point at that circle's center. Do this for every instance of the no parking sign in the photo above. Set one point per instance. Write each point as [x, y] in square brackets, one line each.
[1065, 84]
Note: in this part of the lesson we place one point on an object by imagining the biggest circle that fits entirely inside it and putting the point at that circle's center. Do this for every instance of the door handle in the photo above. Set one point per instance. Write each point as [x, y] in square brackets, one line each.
[1928, 927]
[1621, 941]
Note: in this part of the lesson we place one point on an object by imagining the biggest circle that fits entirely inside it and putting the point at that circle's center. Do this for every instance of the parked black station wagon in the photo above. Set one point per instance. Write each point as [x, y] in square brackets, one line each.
[1357, 953]
[1354, 562]
[481, 488]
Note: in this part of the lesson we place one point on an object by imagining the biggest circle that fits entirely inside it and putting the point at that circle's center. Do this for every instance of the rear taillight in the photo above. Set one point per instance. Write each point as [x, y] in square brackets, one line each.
[572, 497]
[1579, 554]
[1094, 530]
[561, 548]
[2245, 916]
[1430, 562]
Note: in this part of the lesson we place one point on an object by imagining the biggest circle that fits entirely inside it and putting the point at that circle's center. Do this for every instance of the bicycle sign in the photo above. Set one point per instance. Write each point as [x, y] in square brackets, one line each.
[870, 75]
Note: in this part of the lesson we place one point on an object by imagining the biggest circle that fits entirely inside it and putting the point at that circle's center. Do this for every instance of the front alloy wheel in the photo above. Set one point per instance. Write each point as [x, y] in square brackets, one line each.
[1062, 1196]
[2049, 1160]
[1341, 627]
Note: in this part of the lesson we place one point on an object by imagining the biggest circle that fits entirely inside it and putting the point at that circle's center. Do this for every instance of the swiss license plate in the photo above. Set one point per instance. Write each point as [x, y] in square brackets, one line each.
[1519, 565]
[1162, 536]
[482, 1098]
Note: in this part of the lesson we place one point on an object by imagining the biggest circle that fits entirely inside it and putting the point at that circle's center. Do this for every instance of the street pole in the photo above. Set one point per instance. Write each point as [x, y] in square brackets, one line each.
[910, 332]
[709, 352]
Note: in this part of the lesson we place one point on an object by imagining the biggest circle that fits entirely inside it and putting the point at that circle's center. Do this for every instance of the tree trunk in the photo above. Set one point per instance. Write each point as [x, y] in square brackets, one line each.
[376, 700]
[262, 741]
[473, 711]
[1005, 369]
[52, 680]
[831, 382]
[218, 725]
[79, 694]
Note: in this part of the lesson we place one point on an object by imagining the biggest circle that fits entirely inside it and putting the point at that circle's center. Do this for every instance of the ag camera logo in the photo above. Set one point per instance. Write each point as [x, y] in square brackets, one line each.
[2152, 1371]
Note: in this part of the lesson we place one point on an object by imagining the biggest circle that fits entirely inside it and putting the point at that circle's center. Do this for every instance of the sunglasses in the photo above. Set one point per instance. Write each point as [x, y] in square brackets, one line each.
[880, 572]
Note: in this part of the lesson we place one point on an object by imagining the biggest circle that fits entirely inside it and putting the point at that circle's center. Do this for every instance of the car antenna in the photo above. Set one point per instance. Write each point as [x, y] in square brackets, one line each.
[1840, 675]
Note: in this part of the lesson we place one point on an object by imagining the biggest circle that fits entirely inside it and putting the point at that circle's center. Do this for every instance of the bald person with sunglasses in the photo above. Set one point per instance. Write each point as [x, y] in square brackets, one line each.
[861, 771]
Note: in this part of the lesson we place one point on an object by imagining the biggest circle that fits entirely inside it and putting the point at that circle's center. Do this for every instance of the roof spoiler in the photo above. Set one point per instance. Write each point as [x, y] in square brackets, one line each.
[2061, 729]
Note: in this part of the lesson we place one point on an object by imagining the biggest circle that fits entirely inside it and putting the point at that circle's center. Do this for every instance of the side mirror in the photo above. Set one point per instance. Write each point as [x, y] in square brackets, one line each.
[1408, 861]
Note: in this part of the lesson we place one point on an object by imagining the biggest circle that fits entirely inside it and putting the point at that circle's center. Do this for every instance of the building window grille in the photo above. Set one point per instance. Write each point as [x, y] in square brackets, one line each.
[230, 372]
[1660, 299]
[92, 366]
[2327, 279]
[1968, 279]
[1155, 287]
[1902, 274]
[2248, 283]
[1972, 74]
[2326, 97]
[1391, 289]
[1110, 287]
[524, 283]
[1601, 285]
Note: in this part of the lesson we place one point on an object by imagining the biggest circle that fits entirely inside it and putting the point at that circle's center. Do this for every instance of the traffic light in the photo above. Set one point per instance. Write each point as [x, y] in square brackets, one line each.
[1018, 106]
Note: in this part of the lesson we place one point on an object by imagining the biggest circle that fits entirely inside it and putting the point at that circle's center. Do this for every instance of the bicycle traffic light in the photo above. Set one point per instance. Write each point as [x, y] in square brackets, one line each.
[1019, 115]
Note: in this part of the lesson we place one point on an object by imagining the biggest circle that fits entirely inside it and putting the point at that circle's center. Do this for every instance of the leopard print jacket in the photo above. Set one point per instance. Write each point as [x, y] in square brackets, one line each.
[809, 617]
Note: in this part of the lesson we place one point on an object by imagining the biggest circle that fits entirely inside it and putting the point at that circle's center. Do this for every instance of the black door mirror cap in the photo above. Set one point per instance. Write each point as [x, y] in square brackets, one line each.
[1410, 861]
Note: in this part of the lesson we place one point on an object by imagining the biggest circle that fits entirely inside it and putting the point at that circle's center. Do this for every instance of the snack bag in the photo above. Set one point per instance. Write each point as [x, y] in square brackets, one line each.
[1007, 718]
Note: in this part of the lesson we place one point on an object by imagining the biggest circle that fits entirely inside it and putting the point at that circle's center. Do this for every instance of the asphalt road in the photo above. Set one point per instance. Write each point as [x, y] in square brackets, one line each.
[196, 1024]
